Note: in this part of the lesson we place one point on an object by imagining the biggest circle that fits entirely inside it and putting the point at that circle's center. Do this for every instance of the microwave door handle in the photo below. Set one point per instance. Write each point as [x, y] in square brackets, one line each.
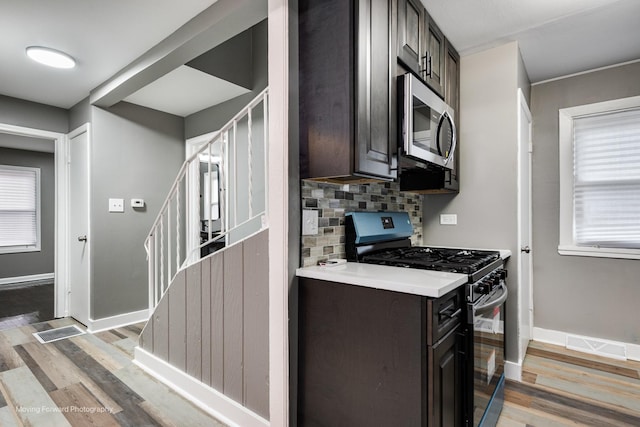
[407, 123]
[445, 115]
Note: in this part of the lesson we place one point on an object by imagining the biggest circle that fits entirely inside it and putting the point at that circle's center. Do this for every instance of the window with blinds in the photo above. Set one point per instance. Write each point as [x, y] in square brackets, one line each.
[19, 209]
[606, 171]
[599, 157]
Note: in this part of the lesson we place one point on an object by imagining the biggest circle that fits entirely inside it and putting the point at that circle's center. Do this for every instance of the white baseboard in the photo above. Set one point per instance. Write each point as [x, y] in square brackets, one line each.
[513, 371]
[560, 338]
[208, 399]
[26, 279]
[117, 321]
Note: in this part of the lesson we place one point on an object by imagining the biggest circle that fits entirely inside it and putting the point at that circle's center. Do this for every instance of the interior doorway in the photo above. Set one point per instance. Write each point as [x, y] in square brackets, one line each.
[29, 287]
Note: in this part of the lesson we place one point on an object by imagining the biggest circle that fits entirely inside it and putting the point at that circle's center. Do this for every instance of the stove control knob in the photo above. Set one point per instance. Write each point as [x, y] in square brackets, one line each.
[483, 287]
[496, 278]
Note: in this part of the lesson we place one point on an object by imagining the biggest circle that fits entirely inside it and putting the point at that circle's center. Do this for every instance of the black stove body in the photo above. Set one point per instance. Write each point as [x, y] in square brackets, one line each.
[384, 238]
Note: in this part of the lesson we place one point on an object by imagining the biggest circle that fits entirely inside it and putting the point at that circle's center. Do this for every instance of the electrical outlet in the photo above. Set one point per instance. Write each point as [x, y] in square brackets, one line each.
[116, 205]
[448, 219]
[309, 222]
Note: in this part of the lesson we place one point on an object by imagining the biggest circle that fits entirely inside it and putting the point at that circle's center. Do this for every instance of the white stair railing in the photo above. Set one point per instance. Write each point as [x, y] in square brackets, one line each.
[196, 218]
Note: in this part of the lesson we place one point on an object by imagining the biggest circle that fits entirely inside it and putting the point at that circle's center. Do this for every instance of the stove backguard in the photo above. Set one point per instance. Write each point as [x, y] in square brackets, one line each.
[368, 231]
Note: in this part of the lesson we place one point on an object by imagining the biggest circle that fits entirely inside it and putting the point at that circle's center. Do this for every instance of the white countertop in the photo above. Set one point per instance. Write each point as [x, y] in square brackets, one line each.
[407, 280]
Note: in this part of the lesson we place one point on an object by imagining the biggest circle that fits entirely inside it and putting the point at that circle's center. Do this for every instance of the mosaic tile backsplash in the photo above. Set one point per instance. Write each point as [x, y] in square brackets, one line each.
[333, 200]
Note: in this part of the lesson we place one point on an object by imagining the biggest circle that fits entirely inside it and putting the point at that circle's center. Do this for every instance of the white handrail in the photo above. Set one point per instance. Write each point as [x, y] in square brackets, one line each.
[171, 225]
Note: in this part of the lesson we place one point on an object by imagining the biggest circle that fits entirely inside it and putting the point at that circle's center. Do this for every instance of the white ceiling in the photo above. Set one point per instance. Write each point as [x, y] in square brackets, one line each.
[103, 36]
[557, 37]
[185, 91]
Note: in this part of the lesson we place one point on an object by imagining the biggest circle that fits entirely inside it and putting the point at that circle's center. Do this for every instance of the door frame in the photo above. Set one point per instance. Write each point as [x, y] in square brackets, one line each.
[60, 267]
[523, 107]
[191, 146]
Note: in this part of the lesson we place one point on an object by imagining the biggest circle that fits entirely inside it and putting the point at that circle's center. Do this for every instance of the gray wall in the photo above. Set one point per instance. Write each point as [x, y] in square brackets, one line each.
[595, 297]
[30, 263]
[214, 118]
[487, 203]
[136, 153]
[79, 114]
[19, 112]
[18, 142]
[213, 323]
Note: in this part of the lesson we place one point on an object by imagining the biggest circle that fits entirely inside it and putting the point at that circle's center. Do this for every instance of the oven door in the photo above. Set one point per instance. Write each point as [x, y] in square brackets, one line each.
[428, 129]
[486, 318]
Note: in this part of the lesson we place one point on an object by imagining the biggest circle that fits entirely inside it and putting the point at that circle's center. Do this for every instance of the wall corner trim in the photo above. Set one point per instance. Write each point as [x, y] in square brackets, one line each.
[208, 399]
[560, 338]
[513, 371]
[117, 321]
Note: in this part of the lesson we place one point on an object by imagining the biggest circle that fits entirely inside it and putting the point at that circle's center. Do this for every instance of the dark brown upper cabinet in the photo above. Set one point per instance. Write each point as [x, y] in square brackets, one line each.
[423, 49]
[434, 56]
[411, 20]
[452, 80]
[347, 90]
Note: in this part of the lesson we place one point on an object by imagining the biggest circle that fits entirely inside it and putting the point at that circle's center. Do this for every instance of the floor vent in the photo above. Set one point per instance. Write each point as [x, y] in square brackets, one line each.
[597, 347]
[58, 334]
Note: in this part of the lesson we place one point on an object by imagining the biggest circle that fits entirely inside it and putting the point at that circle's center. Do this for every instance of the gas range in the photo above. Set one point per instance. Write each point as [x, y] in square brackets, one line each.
[384, 238]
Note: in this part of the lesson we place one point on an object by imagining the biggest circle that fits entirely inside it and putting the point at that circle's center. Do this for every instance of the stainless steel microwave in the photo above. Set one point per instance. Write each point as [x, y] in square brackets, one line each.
[427, 123]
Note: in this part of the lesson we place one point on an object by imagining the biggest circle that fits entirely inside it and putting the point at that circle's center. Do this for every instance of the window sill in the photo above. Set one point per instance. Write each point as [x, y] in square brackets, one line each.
[19, 249]
[599, 252]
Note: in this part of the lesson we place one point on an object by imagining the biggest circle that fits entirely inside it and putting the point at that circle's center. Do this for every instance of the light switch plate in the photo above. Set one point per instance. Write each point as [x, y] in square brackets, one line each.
[116, 205]
[448, 219]
[137, 203]
[309, 222]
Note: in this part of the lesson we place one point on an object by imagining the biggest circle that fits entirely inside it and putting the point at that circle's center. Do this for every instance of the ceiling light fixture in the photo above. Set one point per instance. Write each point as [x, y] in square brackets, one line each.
[50, 57]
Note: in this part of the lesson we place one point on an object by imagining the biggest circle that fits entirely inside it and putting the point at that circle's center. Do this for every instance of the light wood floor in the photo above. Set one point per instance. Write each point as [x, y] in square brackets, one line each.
[561, 387]
[88, 380]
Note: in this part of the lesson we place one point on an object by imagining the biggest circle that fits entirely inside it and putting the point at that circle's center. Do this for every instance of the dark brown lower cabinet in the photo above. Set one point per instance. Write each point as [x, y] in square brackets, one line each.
[365, 358]
[444, 381]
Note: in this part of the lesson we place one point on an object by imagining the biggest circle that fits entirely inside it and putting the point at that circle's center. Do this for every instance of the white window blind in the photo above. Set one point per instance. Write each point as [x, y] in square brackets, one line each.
[607, 179]
[19, 209]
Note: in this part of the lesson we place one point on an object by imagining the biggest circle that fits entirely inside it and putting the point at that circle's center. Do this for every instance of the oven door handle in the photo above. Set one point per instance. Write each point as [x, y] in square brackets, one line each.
[493, 303]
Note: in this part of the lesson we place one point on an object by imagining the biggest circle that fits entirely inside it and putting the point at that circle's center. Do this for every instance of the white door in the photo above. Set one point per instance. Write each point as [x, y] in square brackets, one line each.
[79, 239]
[524, 256]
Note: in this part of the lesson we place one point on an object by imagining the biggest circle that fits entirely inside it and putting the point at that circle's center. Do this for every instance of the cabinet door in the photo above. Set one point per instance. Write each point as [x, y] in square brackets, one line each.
[411, 33]
[452, 97]
[433, 68]
[375, 131]
[326, 80]
[445, 386]
[452, 80]
[360, 356]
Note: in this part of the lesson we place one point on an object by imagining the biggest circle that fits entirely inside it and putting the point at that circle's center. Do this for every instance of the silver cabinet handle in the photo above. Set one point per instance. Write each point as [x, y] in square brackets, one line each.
[82, 238]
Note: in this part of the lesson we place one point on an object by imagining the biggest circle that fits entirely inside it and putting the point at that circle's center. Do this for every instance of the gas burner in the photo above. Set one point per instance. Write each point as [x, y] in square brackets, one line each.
[466, 261]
